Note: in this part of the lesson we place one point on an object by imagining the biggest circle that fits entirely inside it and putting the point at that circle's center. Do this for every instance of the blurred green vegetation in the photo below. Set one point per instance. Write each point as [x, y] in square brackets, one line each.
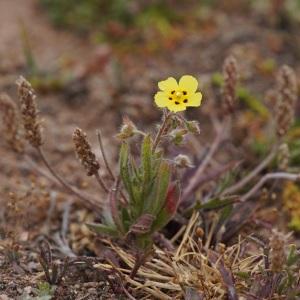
[84, 15]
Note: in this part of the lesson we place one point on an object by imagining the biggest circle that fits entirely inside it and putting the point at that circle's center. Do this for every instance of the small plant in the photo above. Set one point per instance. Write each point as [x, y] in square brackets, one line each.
[54, 272]
[152, 192]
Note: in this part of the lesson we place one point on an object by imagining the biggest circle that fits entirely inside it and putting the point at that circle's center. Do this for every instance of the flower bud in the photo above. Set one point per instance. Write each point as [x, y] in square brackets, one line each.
[193, 127]
[183, 161]
[128, 129]
[177, 136]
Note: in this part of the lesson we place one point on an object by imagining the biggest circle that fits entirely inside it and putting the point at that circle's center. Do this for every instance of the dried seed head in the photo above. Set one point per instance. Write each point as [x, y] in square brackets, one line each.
[230, 75]
[277, 252]
[84, 152]
[183, 161]
[128, 129]
[286, 99]
[29, 112]
[10, 123]
[283, 157]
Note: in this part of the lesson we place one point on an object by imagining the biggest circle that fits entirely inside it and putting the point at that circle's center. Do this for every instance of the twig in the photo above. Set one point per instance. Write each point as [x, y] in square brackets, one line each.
[112, 176]
[62, 246]
[161, 130]
[207, 177]
[252, 174]
[104, 156]
[140, 259]
[65, 219]
[50, 212]
[37, 168]
[267, 177]
[163, 242]
[85, 198]
[101, 182]
[195, 179]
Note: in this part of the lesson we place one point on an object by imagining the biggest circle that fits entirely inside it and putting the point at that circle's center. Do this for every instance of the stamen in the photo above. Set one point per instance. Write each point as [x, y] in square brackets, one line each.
[185, 100]
[178, 94]
[176, 102]
[184, 92]
[172, 92]
[170, 98]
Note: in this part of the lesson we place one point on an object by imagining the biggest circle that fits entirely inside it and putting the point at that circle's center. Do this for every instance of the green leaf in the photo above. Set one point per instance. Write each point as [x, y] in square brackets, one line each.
[252, 102]
[147, 159]
[225, 215]
[103, 229]
[162, 184]
[293, 256]
[125, 172]
[216, 203]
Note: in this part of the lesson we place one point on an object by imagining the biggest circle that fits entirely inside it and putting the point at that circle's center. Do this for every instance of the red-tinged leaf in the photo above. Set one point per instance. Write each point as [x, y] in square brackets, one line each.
[172, 199]
[169, 208]
[142, 225]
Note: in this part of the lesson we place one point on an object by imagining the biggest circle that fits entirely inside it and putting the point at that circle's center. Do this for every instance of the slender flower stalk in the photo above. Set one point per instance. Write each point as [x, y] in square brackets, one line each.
[91, 202]
[161, 130]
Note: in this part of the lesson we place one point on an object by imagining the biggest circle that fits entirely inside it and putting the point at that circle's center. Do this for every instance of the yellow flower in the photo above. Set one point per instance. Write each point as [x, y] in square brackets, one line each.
[178, 96]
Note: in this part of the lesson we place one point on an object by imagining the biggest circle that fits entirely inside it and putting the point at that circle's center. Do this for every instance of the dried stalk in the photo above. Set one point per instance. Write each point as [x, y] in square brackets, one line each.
[267, 177]
[104, 156]
[85, 198]
[195, 179]
[252, 174]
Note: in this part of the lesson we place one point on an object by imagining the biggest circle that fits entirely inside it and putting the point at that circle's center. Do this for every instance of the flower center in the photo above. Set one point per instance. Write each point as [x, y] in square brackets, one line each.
[178, 96]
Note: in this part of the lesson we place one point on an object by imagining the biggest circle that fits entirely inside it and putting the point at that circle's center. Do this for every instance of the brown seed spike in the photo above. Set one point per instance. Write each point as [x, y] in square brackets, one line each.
[29, 112]
[84, 152]
[10, 123]
[285, 100]
[230, 75]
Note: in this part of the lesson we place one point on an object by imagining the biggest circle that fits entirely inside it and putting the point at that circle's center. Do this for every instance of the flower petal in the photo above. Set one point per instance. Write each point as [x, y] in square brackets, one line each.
[176, 107]
[168, 84]
[188, 83]
[195, 100]
[161, 99]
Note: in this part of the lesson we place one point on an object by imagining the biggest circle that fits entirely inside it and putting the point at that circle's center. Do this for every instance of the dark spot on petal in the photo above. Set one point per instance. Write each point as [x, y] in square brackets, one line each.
[184, 92]
[185, 100]
[176, 102]
[170, 98]
[172, 92]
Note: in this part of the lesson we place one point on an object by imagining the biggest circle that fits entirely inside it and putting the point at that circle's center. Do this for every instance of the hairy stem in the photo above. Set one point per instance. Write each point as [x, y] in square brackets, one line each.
[161, 130]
